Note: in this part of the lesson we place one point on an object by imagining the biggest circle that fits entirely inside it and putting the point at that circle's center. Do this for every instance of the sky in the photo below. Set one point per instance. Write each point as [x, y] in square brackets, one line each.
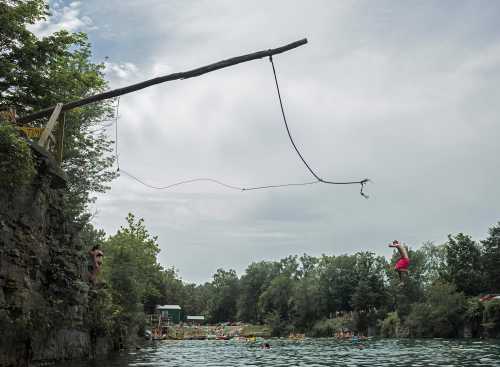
[403, 93]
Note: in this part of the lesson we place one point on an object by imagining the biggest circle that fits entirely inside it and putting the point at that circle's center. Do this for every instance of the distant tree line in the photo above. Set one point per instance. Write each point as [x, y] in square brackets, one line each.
[317, 295]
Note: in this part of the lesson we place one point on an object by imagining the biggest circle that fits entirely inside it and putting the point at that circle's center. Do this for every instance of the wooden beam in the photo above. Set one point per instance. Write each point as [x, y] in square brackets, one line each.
[60, 141]
[47, 132]
[182, 75]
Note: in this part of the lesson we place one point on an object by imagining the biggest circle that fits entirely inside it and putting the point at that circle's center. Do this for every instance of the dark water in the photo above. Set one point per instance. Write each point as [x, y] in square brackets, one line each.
[309, 352]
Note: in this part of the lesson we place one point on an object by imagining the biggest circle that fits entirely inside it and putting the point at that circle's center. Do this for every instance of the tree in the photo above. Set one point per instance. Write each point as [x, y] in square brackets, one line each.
[130, 268]
[441, 315]
[463, 258]
[289, 266]
[167, 289]
[307, 265]
[195, 299]
[17, 42]
[277, 297]
[491, 259]
[337, 282]
[276, 303]
[492, 318]
[434, 262]
[370, 292]
[37, 73]
[305, 302]
[224, 293]
[253, 283]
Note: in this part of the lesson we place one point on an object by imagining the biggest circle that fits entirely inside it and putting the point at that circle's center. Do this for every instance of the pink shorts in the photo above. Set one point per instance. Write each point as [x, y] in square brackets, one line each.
[402, 263]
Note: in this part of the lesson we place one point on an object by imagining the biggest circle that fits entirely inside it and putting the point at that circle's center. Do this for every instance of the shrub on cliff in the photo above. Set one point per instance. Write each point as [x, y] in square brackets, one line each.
[17, 167]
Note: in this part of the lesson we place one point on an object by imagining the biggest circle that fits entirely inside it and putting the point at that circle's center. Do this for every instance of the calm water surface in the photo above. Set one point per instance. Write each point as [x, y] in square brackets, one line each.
[309, 352]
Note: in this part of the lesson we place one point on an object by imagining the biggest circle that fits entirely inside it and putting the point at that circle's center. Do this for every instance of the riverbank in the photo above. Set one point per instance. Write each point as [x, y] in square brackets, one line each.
[201, 332]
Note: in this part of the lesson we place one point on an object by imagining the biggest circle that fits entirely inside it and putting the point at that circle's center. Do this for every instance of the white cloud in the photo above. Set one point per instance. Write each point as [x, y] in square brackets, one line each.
[405, 95]
[63, 17]
[120, 73]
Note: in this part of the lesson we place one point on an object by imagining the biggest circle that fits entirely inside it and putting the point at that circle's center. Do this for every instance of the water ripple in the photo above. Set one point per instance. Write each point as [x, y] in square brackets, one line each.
[310, 353]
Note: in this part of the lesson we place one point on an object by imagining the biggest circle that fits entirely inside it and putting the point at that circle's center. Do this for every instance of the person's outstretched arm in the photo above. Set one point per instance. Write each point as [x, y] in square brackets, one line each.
[401, 249]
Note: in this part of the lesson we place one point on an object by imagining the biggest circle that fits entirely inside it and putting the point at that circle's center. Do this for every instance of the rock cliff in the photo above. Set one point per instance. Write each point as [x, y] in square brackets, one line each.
[43, 288]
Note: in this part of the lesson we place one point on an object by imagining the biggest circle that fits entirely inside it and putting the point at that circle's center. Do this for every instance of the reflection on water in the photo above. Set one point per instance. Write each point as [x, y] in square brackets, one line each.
[309, 352]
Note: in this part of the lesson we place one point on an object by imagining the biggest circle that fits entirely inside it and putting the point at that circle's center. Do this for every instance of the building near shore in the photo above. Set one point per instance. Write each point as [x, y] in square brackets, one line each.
[170, 313]
[195, 319]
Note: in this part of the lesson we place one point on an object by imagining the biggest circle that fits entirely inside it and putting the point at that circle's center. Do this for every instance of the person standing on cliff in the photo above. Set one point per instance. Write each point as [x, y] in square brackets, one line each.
[404, 261]
[96, 256]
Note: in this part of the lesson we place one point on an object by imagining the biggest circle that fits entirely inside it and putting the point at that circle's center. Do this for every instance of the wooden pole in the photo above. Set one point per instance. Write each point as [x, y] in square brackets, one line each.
[47, 132]
[182, 75]
[60, 140]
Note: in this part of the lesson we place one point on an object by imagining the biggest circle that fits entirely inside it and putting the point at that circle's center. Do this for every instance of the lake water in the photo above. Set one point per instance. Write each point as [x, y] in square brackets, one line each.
[309, 352]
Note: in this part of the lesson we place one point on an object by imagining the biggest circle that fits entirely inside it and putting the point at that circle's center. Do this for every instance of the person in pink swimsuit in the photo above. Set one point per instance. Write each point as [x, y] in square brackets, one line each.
[404, 262]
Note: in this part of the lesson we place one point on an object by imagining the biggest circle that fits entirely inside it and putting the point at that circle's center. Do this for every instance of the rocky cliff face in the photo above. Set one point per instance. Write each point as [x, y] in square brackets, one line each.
[43, 289]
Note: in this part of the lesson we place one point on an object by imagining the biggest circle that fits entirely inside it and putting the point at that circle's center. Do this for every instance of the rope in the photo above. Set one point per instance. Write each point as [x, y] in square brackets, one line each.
[206, 179]
[362, 182]
[181, 182]
[116, 135]
[232, 187]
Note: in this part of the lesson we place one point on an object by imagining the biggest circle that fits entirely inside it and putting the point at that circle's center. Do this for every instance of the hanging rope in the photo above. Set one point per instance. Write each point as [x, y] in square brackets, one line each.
[201, 179]
[362, 182]
[205, 179]
[116, 135]
[232, 187]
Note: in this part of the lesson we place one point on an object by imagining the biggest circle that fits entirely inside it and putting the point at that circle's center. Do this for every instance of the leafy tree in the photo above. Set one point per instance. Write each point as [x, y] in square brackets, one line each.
[434, 262]
[370, 292]
[17, 42]
[307, 265]
[253, 283]
[305, 302]
[417, 321]
[491, 259]
[37, 73]
[277, 297]
[289, 266]
[131, 271]
[473, 316]
[224, 293]
[195, 299]
[167, 288]
[441, 315]
[463, 258]
[337, 282]
[492, 318]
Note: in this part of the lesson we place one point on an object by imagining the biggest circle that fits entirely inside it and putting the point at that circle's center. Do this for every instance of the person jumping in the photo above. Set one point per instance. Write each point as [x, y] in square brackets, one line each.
[404, 261]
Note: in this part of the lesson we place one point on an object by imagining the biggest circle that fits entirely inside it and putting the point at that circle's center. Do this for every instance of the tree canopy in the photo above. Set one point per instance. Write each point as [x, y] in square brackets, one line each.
[36, 73]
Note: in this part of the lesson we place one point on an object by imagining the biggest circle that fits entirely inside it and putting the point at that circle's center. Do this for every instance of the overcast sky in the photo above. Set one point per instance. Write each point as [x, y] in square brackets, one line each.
[405, 93]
